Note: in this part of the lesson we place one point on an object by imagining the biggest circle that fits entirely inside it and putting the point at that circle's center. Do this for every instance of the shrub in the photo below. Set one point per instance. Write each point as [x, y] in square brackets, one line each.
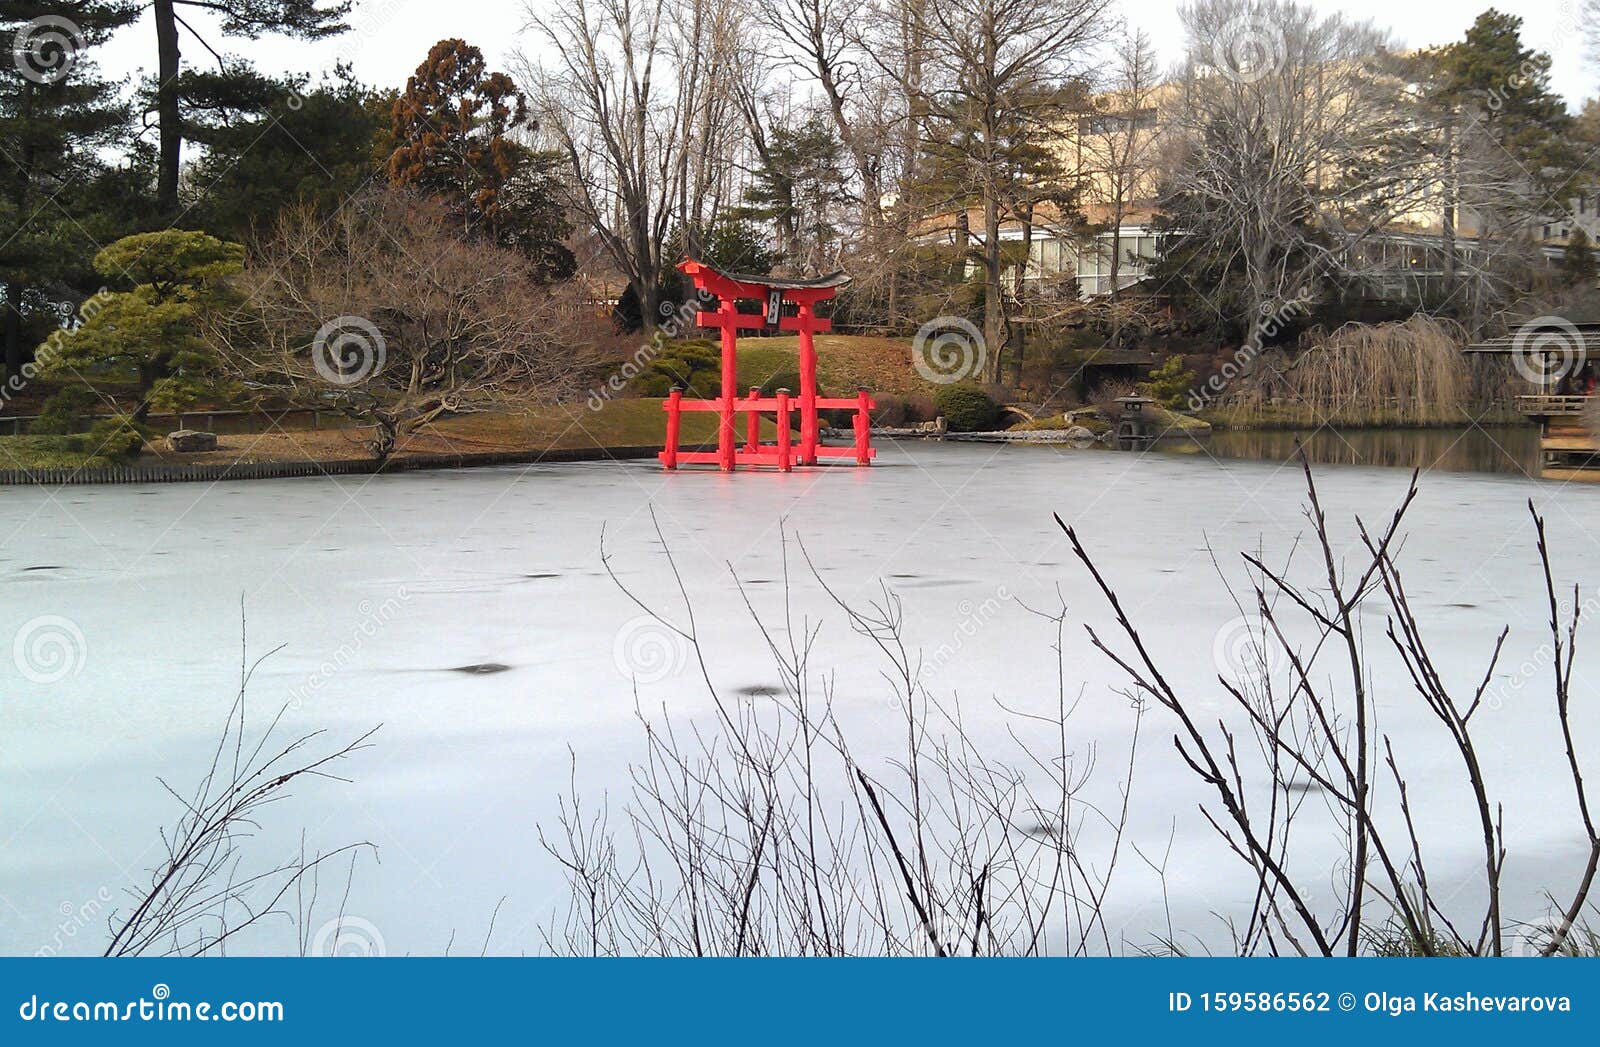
[789, 380]
[116, 437]
[967, 408]
[63, 413]
[696, 364]
[1170, 384]
[921, 408]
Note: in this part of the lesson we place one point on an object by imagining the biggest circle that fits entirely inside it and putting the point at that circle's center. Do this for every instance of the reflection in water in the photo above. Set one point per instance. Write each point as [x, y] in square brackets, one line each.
[1495, 449]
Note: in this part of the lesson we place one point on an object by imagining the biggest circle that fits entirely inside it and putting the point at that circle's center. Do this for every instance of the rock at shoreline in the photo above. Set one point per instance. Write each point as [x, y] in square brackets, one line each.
[191, 441]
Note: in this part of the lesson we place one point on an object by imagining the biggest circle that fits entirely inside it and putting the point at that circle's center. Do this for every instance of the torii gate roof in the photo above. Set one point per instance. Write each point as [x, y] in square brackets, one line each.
[830, 282]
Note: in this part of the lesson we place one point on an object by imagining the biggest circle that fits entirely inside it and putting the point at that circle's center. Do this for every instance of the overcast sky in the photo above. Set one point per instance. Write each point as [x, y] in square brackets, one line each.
[391, 36]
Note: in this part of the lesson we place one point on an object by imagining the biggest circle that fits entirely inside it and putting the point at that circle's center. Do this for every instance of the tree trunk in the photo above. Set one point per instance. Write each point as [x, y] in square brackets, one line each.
[13, 330]
[993, 314]
[168, 115]
[1448, 220]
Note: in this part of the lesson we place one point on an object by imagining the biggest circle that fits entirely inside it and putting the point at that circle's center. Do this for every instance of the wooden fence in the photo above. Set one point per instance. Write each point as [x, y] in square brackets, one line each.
[172, 472]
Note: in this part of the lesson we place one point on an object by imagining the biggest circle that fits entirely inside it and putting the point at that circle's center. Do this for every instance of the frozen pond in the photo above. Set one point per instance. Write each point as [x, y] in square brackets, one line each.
[397, 583]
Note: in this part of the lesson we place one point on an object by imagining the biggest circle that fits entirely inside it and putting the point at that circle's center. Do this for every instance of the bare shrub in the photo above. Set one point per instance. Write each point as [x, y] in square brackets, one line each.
[203, 895]
[1307, 734]
[770, 833]
[768, 836]
[386, 312]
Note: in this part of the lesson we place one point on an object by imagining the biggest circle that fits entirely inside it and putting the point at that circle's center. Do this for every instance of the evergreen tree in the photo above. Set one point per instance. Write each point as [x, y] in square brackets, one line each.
[188, 103]
[1577, 259]
[320, 150]
[152, 332]
[454, 130]
[801, 190]
[55, 116]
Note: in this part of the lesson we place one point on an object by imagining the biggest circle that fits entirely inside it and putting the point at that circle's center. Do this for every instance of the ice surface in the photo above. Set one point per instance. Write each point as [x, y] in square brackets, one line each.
[469, 613]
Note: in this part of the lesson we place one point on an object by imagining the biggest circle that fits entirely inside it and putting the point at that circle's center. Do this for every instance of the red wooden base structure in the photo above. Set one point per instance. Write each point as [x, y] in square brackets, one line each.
[778, 294]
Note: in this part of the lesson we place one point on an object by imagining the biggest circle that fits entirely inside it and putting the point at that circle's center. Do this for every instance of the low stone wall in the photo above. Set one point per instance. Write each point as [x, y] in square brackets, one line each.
[176, 472]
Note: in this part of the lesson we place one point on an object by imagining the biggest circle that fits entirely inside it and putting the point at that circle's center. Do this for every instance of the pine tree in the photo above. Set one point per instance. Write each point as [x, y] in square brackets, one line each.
[326, 146]
[188, 102]
[56, 114]
[454, 129]
[1577, 259]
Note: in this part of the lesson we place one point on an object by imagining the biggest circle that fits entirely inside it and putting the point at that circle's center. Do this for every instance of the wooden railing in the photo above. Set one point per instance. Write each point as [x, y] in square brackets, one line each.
[1541, 406]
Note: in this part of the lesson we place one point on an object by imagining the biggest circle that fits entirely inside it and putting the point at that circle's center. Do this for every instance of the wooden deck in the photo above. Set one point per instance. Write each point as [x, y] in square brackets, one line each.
[1570, 449]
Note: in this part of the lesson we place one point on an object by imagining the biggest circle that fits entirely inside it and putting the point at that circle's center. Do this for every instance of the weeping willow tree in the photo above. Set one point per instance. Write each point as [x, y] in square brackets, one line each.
[1407, 373]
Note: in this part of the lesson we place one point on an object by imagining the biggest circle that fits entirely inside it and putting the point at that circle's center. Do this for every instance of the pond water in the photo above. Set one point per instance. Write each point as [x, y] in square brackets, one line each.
[469, 613]
[1478, 449]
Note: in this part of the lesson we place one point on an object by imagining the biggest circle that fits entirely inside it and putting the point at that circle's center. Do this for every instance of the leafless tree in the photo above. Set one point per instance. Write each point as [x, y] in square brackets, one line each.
[639, 96]
[1282, 148]
[385, 313]
[993, 79]
[1123, 142]
[1308, 737]
[767, 834]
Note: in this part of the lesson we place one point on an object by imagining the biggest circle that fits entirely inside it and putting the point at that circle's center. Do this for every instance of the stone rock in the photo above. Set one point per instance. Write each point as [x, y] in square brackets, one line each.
[191, 441]
[1078, 434]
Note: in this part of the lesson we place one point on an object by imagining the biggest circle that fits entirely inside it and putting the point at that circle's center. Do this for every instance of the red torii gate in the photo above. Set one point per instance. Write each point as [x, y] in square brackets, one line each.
[776, 293]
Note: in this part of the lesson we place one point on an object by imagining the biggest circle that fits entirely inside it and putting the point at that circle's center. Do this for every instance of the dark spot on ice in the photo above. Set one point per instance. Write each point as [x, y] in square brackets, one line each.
[1045, 830]
[541, 576]
[1306, 788]
[760, 690]
[1464, 606]
[905, 576]
[481, 669]
[45, 567]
